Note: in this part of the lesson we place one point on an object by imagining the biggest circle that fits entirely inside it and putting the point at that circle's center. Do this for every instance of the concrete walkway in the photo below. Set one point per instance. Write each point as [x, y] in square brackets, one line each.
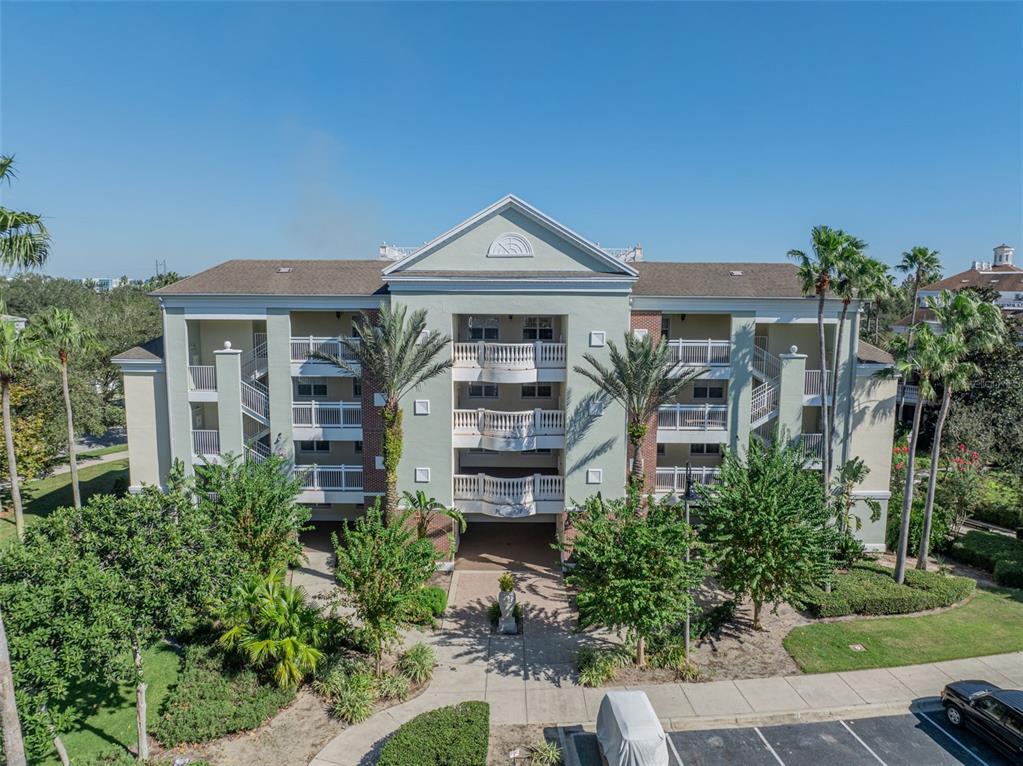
[85, 462]
[462, 674]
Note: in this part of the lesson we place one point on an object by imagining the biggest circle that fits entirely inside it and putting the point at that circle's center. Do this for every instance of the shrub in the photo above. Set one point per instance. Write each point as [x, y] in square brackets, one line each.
[941, 522]
[394, 686]
[999, 515]
[1009, 573]
[435, 598]
[506, 582]
[459, 734]
[985, 549]
[870, 589]
[598, 666]
[353, 697]
[333, 674]
[212, 699]
[124, 758]
[545, 753]
[416, 663]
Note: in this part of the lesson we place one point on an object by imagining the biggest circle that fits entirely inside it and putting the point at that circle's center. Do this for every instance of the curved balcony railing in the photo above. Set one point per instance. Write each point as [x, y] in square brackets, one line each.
[500, 491]
[303, 348]
[336, 478]
[509, 356]
[692, 417]
[699, 353]
[673, 478]
[327, 414]
[510, 424]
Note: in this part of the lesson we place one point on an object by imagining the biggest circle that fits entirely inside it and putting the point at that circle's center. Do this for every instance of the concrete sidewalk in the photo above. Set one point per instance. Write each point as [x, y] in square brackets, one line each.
[495, 669]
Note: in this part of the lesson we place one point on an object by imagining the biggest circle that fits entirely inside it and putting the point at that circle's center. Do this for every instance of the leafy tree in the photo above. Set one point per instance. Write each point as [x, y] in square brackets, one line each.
[767, 526]
[968, 323]
[381, 567]
[63, 336]
[272, 625]
[166, 566]
[34, 449]
[960, 488]
[257, 503]
[24, 240]
[424, 509]
[394, 354]
[831, 249]
[19, 351]
[641, 377]
[843, 486]
[631, 569]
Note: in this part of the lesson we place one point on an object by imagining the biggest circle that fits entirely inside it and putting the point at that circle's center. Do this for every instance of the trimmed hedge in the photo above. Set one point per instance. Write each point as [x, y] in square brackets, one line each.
[212, 699]
[869, 589]
[985, 550]
[458, 735]
[1000, 516]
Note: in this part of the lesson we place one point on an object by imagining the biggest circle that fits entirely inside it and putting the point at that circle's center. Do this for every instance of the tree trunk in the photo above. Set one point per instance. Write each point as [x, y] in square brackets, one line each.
[907, 498]
[641, 652]
[12, 459]
[833, 394]
[637, 476]
[140, 703]
[14, 745]
[909, 343]
[71, 458]
[58, 745]
[932, 483]
[392, 457]
[757, 606]
[825, 427]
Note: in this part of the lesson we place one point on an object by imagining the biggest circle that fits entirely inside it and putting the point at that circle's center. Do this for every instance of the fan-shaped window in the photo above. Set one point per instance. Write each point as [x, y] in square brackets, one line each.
[510, 245]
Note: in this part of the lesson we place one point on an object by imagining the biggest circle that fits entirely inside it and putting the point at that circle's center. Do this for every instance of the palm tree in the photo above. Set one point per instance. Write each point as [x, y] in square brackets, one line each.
[24, 240]
[18, 351]
[922, 265]
[878, 290]
[922, 359]
[816, 273]
[425, 508]
[394, 354]
[641, 378]
[64, 336]
[10, 724]
[969, 324]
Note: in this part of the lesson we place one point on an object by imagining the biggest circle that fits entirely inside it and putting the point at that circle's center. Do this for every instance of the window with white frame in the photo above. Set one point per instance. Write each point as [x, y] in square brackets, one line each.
[538, 328]
[704, 449]
[708, 392]
[308, 388]
[313, 446]
[665, 326]
[483, 328]
[482, 390]
[537, 391]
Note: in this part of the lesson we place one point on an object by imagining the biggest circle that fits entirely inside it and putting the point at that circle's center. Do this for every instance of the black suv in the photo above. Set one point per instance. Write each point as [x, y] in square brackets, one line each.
[994, 713]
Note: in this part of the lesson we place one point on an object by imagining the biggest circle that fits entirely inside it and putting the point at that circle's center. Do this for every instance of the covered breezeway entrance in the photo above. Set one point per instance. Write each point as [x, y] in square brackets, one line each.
[519, 545]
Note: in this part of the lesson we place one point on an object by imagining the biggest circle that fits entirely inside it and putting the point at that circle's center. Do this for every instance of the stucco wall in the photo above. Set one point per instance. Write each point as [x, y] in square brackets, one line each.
[145, 405]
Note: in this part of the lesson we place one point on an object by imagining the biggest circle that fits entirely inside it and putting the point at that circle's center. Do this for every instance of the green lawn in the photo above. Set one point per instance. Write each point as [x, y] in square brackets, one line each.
[43, 496]
[110, 722]
[990, 623]
[103, 451]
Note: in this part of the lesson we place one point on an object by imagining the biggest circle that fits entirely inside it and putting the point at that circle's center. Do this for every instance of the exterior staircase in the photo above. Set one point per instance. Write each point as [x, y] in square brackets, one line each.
[764, 404]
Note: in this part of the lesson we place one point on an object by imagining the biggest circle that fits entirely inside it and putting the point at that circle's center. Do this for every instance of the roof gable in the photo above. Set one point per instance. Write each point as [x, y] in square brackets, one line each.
[510, 235]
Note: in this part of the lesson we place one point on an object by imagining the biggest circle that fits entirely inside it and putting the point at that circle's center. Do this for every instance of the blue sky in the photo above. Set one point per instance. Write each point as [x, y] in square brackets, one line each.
[197, 132]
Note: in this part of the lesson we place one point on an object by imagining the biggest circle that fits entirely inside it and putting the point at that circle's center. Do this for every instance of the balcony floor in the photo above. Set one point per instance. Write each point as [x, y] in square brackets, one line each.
[495, 545]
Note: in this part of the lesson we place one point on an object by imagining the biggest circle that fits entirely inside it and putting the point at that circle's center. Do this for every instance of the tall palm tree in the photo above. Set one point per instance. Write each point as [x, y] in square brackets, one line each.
[10, 724]
[922, 265]
[394, 354]
[425, 508]
[879, 289]
[969, 324]
[63, 336]
[816, 273]
[641, 377]
[24, 240]
[923, 359]
[19, 350]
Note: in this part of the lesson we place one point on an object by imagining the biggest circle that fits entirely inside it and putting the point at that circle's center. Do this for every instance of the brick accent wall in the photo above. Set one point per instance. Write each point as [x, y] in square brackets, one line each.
[372, 439]
[651, 322]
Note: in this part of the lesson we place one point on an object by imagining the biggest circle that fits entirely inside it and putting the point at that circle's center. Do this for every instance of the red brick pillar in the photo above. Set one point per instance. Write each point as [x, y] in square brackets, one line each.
[651, 322]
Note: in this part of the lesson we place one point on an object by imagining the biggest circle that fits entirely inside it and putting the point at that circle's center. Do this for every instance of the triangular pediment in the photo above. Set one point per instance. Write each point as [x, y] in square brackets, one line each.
[510, 236]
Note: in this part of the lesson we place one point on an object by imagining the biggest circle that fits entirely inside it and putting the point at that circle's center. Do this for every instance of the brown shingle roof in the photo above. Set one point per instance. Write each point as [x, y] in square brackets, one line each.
[922, 315]
[997, 277]
[716, 280]
[150, 351]
[307, 277]
[868, 353]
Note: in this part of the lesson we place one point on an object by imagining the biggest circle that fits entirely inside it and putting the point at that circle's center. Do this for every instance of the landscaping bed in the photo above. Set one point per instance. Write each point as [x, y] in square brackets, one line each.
[459, 734]
[869, 589]
[998, 554]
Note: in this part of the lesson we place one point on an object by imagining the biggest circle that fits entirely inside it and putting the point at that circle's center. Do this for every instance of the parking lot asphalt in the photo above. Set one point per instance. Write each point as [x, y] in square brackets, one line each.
[923, 738]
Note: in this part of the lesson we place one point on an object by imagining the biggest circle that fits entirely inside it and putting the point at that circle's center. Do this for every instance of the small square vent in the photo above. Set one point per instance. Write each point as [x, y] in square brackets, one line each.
[285, 270]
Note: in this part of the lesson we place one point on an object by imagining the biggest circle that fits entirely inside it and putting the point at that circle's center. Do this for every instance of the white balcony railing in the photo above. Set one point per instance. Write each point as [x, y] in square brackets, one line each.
[699, 353]
[814, 445]
[255, 400]
[327, 414]
[692, 417]
[673, 478]
[206, 442]
[510, 424]
[202, 377]
[337, 478]
[510, 356]
[814, 385]
[908, 393]
[500, 491]
[764, 402]
[302, 348]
